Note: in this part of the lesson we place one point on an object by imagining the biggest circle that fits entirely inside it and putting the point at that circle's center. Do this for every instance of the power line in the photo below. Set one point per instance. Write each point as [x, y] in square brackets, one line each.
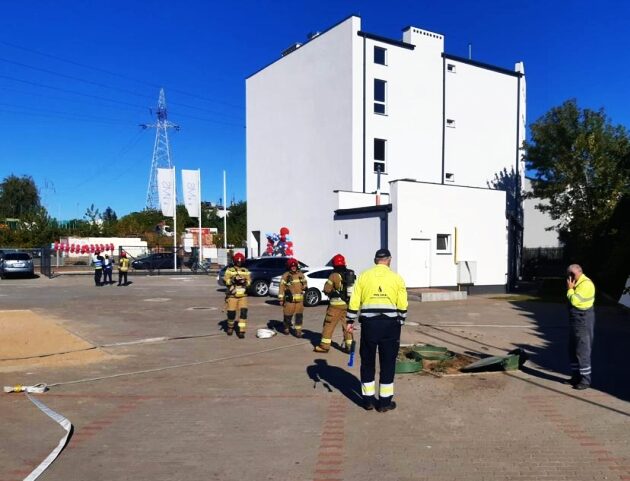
[109, 72]
[68, 114]
[120, 102]
[99, 84]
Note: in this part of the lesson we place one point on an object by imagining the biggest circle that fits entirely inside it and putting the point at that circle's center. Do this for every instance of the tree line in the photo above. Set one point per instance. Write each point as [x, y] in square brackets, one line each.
[25, 222]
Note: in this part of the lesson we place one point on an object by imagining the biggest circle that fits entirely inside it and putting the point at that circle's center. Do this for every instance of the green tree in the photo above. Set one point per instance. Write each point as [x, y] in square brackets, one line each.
[580, 162]
[582, 169]
[18, 197]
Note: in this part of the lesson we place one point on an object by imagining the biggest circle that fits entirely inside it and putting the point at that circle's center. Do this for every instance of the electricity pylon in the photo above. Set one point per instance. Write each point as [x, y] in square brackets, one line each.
[161, 150]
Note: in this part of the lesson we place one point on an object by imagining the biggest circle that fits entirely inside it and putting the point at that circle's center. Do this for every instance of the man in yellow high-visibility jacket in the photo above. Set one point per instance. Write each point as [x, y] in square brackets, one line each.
[581, 297]
[379, 302]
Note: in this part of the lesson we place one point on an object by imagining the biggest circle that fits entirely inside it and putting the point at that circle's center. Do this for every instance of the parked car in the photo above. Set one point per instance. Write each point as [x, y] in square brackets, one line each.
[262, 270]
[16, 263]
[160, 260]
[316, 278]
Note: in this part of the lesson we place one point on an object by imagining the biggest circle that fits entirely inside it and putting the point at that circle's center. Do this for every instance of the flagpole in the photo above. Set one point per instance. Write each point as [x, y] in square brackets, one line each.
[200, 254]
[224, 213]
[174, 220]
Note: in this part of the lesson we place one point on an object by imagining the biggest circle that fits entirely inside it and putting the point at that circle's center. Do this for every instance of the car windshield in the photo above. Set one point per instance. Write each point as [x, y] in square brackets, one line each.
[17, 256]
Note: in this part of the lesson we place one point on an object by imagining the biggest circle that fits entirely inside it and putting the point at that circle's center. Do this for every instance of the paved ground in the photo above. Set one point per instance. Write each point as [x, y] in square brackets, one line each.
[219, 408]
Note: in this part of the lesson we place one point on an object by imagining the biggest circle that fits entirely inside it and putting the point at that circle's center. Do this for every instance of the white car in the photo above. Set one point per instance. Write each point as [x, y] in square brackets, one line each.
[316, 278]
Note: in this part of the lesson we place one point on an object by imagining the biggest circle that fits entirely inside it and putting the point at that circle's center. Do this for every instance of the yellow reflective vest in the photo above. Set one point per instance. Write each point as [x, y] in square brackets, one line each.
[379, 293]
[583, 295]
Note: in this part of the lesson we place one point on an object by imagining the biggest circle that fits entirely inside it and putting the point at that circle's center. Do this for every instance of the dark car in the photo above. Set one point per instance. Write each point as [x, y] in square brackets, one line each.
[262, 270]
[16, 263]
[160, 260]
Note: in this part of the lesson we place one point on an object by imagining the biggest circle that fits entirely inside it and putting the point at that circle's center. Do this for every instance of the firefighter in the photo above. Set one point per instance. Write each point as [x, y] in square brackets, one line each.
[581, 297]
[336, 288]
[379, 302]
[237, 280]
[291, 295]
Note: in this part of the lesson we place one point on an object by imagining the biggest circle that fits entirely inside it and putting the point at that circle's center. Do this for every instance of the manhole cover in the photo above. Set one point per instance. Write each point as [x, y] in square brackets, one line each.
[157, 299]
[201, 308]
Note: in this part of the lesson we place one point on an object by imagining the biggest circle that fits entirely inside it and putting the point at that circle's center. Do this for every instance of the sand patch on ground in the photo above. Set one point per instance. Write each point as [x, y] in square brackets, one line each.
[28, 339]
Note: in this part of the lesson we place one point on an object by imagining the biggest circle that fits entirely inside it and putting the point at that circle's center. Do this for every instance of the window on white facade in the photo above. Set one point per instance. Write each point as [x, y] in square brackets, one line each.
[380, 92]
[450, 123]
[450, 177]
[380, 146]
[380, 55]
[443, 244]
[451, 68]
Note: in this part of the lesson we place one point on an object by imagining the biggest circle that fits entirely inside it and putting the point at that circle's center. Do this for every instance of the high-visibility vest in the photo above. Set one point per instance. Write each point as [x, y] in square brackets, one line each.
[379, 293]
[583, 295]
[123, 264]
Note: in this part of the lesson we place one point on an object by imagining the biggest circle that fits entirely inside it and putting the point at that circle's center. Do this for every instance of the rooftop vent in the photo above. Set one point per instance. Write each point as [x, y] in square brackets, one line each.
[292, 48]
[312, 35]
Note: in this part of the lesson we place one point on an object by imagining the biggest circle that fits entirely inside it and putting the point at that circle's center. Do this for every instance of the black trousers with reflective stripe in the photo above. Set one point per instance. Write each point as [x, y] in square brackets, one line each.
[581, 333]
[382, 334]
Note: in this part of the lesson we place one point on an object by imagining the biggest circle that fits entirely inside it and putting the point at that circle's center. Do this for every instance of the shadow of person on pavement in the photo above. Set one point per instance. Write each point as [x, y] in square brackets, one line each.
[333, 377]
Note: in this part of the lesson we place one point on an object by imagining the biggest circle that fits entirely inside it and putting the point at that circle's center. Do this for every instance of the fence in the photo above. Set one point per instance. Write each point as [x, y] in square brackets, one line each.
[543, 262]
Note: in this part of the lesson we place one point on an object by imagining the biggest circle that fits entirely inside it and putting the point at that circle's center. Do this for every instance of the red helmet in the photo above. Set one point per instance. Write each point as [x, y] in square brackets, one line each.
[238, 258]
[123, 254]
[292, 262]
[339, 261]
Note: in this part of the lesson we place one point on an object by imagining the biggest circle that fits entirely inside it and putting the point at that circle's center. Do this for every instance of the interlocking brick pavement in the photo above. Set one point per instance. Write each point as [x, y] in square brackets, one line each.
[283, 415]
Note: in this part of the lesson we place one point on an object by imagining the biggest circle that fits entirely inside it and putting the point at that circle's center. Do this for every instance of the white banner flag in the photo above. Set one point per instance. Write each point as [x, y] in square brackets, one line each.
[190, 182]
[166, 191]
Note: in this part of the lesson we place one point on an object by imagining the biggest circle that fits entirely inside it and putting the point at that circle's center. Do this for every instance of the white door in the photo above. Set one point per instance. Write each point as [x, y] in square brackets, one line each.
[420, 265]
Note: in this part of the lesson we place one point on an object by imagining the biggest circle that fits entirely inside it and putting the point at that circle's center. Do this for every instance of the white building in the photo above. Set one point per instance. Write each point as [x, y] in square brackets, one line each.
[535, 232]
[445, 132]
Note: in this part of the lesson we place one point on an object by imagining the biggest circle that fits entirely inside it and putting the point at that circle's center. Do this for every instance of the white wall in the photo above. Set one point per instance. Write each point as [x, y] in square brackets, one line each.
[483, 142]
[412, 124]
[535, 222]
[300, 141]
[352, 200]
[421, 211]
[363, 240]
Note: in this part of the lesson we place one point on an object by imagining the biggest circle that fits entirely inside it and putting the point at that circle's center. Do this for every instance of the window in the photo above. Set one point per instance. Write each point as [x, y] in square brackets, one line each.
[380, 91]
[451, 68]
[324, 274]
[17, 256]
[450, 123]
[379, 155]
[443, 244]
[380, 55]
[450, 177]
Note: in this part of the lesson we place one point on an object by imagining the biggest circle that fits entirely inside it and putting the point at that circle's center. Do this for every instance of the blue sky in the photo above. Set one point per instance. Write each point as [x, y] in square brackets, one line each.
[76, 78]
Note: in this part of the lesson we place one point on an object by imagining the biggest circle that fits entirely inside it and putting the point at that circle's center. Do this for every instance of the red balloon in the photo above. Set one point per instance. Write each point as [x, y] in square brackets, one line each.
[91, 247]
[284, 231]
[102, 247]
[269, 250]
[111, 247]
[283, 238]
[289, 251]
[56, 246]
[72, 248]
[290, 244]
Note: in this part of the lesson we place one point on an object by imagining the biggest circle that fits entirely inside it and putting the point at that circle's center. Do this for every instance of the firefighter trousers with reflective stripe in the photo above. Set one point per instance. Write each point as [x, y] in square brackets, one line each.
[581, 333]
[334, 316]
[234, 304]
[382, 335]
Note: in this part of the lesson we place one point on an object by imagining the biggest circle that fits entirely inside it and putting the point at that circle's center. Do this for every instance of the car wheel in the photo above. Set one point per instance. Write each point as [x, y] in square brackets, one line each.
[312, 297]
[260, 288]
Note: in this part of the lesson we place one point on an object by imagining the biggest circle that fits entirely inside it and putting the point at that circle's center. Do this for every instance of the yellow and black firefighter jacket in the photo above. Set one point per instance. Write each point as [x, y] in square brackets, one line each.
[237, 280]
[335, 290]
[292, 287]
